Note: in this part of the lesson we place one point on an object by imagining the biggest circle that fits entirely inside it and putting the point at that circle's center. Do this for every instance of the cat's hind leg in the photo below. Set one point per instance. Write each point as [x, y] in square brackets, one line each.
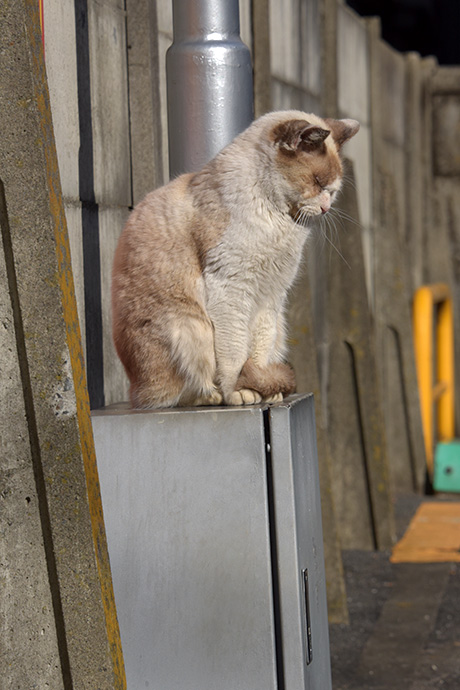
[272, 381]
[155, 380]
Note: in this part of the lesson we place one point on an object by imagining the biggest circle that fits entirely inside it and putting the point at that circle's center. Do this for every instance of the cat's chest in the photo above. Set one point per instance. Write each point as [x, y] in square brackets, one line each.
[264, 259]
[265, 247]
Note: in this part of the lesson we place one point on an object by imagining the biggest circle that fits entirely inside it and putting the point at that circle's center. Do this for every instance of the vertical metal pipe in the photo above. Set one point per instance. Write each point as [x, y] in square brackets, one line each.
[209, 80]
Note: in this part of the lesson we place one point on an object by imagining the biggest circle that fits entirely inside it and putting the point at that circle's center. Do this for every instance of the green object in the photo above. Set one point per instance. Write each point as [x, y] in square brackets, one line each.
[447, 467]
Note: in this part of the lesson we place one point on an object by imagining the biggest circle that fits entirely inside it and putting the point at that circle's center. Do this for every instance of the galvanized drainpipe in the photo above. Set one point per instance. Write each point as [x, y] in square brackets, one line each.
[209, 80]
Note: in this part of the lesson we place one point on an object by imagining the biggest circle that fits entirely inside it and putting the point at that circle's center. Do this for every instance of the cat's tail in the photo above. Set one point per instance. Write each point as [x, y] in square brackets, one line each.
[192, 351]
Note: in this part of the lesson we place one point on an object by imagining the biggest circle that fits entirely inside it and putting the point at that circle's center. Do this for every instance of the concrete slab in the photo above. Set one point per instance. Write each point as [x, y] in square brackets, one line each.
[352, 65]
[144, 98]
[27, 618]
[165, 21]
[109, 103]
[415, 166]
[61, 69]
[52, 372]
[287, 96]
[295, 24]
[392, 279]
[389, 79]
[164, 41]
[354, 421]
[261, 57]
[111, 222]
[302, 356]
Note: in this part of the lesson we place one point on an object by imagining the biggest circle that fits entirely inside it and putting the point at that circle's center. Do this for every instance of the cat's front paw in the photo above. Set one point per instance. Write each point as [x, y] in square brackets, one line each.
[275, 398]
[245, 396]
[214, 398]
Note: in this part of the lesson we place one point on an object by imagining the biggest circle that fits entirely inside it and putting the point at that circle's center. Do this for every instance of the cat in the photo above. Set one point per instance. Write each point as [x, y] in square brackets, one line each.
[204, 264]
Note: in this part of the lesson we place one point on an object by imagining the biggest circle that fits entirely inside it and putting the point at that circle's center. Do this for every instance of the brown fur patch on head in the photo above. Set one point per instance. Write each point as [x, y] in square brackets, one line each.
[269, 380]
[299, 135]
[308, 174]
[307, 156]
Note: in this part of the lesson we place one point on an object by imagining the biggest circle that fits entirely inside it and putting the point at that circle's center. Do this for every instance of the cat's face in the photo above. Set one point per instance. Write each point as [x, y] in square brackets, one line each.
[307, 156]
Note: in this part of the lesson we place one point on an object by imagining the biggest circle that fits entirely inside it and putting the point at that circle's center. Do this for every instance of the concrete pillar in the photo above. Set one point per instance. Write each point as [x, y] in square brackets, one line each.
[54, 539]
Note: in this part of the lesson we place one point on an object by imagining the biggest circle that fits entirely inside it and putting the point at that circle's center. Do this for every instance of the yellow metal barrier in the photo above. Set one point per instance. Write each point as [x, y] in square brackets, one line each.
[434, 342]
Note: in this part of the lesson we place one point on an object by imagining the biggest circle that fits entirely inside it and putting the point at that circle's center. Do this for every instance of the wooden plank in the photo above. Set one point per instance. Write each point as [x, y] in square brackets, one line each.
[433, 535]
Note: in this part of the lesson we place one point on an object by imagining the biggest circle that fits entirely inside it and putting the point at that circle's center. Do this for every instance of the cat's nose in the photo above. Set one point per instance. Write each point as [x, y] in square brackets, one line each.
[325, 209]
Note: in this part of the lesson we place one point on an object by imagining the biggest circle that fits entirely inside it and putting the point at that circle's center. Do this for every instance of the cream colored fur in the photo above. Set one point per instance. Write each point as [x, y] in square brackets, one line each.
[204, 265]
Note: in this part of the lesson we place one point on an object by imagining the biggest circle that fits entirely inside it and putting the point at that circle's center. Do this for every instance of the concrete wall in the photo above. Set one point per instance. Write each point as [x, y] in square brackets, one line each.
[316, 55]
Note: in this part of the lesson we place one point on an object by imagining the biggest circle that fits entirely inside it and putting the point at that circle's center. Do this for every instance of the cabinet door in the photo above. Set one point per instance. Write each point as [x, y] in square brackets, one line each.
[185, 505]
[299, 543]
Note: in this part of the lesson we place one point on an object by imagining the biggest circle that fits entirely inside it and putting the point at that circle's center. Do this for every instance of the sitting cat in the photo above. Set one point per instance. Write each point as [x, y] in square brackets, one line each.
[204, 264]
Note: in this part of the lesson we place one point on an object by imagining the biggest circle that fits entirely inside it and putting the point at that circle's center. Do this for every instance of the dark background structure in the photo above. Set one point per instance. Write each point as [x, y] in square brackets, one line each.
[430, 27]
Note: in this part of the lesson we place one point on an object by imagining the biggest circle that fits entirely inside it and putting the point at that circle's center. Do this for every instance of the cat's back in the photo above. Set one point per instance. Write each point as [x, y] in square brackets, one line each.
[158, 223]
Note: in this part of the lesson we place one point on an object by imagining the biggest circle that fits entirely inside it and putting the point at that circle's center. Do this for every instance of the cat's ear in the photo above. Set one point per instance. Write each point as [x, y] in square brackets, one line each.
[342, 130]
[295, 135]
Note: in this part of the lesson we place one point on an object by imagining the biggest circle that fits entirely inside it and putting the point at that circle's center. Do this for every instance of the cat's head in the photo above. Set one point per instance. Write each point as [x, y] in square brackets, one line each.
[305, 150]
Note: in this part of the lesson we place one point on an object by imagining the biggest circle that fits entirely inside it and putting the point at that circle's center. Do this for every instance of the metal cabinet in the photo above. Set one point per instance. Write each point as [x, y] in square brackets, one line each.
[213, 523]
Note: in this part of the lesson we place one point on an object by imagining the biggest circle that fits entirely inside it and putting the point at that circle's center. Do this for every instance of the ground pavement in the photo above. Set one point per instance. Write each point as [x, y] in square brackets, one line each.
[404, 631]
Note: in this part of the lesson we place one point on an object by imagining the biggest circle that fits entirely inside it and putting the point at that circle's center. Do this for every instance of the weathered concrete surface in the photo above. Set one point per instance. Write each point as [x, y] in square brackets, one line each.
[116, 385]
[109, 103]
[27, 619]
[61, 70]
[164, 11]
[415, 169]
[354, 422]
[261, 57]
[144, 97]
[354, 102]
[393, 318]
[443, 245]
[53, 381]
[296, 71]
[302, 355]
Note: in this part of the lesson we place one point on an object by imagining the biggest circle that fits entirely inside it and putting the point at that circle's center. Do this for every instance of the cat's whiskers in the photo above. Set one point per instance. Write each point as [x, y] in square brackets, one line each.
[344, 216]
[328, 221]
[302, 216]
[349, 179]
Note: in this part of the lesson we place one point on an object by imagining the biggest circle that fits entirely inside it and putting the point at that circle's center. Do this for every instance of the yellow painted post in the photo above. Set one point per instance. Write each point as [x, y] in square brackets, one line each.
[423, 342]
[436, 384]
[445, 370]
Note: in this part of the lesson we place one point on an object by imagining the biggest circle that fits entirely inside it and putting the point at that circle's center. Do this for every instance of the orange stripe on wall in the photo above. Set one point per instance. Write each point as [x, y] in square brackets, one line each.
[42, 23]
